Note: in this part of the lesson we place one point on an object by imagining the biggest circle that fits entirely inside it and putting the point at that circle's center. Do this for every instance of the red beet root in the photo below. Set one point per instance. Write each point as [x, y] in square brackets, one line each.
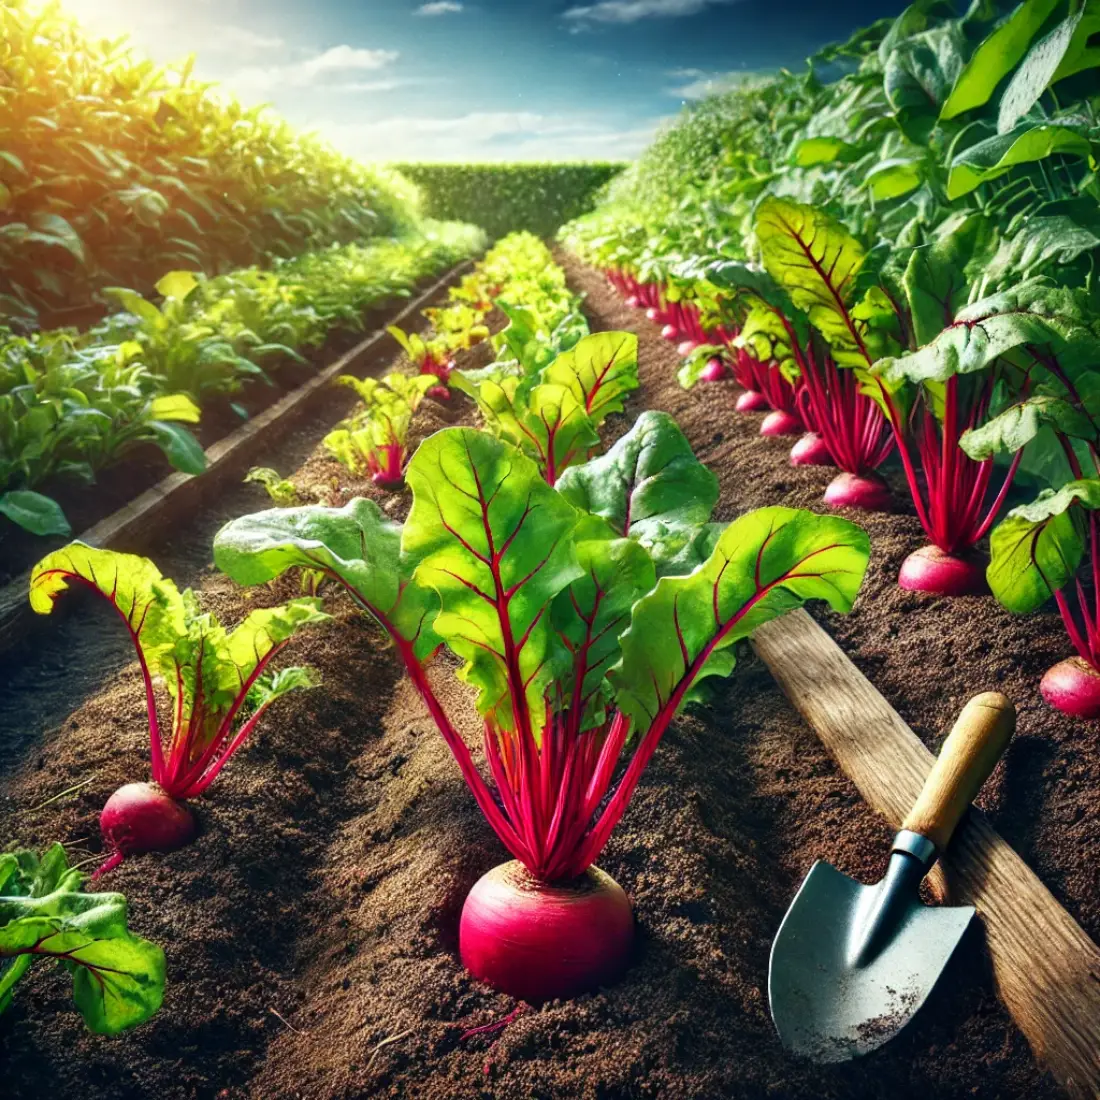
[653, 313]
[751, 401]
[714, 371]
[868, 492]
[670, 333]
[632, 301]
[781, 423]
[1073, 687]
[142, 817]
[811, 450]
[930, 569]
[439, 393]
[686, 347]
[537, 941]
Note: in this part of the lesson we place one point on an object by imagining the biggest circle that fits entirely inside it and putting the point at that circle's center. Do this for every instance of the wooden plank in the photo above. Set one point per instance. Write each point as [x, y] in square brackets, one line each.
[140, 523]
[1046, 969]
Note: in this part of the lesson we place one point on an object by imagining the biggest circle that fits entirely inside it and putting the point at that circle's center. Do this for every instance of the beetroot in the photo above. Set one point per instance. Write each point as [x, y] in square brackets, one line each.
[653, 313]
[632, 301]
[781, 423]
[931, 569]
[143, 817]
[751, 401]
[1073, 687]
[670, 333]
[439, 393]
[811, 450]
[714, 371]
[537, 941]
[868, 492]
[686, 347]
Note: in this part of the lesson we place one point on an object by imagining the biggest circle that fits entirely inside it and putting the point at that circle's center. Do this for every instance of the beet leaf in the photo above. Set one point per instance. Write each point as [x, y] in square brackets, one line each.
[118, 978]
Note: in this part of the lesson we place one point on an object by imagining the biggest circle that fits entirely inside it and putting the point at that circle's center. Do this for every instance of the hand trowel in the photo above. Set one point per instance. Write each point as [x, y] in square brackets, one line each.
[852, 964]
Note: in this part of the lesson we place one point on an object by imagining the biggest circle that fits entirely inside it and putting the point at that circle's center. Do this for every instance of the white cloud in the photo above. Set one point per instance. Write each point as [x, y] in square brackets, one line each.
[701, 84]
[630, 11]
[490, 135]
[439, 7]
[232, 39]
[299, 74]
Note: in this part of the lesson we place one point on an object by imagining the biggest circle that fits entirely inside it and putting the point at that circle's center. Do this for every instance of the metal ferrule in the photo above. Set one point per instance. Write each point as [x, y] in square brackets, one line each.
[916, 845]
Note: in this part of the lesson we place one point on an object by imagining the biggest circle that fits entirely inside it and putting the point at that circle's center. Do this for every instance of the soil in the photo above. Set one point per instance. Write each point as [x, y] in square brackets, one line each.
[311, 928]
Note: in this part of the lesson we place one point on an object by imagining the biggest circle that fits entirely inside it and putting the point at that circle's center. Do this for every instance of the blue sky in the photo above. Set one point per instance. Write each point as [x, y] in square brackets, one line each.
[480, 80]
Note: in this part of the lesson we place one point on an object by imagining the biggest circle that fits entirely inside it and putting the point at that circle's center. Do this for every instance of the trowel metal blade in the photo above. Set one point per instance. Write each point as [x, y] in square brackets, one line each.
[826, 1008]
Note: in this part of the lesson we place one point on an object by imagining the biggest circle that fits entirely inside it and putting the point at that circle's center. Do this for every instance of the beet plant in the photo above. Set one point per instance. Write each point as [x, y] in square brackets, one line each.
[433, 357]
[585, 617]
[553, 415]
[219, 682]
[1048, 548]
[118, 978]
[374, 439]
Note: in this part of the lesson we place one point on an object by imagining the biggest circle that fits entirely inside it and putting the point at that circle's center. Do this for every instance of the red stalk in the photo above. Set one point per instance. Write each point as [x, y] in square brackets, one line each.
[952, 502]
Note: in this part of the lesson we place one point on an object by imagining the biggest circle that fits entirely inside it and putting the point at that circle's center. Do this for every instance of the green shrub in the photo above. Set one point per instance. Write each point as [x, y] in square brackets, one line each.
[114, 170]
[503, 198]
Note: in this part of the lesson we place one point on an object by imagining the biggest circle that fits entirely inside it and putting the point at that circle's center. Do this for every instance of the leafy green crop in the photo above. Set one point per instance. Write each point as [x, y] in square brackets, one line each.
[114, 170]
[118, 978]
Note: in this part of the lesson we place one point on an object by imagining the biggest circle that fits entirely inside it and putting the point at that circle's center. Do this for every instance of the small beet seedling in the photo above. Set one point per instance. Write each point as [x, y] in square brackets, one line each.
[585, 616]
[219, 682]
[375, 438]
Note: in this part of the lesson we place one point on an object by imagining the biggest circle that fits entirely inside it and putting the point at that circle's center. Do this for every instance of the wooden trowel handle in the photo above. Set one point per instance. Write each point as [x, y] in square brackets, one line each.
[966, 761]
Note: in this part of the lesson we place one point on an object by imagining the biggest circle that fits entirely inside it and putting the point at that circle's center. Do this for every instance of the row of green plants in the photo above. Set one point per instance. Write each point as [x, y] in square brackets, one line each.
[570, 610]
[114, 169]
[506, 198]
[533, 392]
[900, 261]
[74, 403]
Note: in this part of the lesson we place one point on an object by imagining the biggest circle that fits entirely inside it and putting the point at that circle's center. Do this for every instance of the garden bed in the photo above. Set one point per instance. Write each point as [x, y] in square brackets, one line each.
[310, 930]
[121, 483]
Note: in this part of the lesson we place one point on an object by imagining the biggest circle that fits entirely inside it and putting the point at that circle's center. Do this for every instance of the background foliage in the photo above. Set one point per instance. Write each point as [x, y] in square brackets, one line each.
[503, 198]
[114, 170]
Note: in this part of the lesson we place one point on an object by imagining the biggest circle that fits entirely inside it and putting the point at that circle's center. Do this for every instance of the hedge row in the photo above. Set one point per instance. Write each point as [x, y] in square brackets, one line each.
[503, 198]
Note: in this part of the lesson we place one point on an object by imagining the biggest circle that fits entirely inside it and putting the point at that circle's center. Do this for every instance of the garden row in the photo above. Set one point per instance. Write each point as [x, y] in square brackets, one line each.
[72, 404]
[335, 854]
[534, 562]
[900, 262]
[114, 170]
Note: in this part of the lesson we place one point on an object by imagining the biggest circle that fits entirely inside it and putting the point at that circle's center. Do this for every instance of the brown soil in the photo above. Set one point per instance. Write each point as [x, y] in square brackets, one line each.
[310, 929]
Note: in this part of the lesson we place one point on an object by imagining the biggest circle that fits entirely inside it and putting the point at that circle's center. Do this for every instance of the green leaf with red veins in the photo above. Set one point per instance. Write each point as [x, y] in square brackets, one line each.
[1037, 548]
[1033, 313]
[118, 979]
[357, 545]
[547, 421]
[496, 542]
[149, 604]
[816, 260]
[599, 370]
[595, 609]
[764, 564]
[649, 486]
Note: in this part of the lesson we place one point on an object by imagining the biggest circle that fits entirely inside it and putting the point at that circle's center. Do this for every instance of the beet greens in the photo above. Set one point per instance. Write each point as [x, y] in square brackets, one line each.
[585, 616]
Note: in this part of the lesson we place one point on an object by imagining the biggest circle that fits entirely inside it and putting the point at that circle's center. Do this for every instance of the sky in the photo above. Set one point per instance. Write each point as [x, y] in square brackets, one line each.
[447, 80]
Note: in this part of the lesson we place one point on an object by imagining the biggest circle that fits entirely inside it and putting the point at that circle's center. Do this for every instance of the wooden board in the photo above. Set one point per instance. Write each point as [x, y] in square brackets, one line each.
[140, 523]
[1046, 969]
